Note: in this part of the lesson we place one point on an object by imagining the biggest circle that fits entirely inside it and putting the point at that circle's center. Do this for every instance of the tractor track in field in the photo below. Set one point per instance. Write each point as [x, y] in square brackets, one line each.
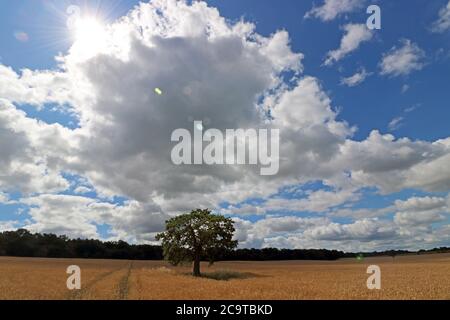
[79, 294]
[124, 284]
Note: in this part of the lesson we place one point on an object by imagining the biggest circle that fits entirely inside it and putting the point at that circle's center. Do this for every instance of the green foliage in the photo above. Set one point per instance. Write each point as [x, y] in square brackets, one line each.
[190, 237]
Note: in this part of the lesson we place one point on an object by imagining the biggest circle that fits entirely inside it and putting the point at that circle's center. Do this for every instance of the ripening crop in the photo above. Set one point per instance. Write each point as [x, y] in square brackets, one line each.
[402, 277]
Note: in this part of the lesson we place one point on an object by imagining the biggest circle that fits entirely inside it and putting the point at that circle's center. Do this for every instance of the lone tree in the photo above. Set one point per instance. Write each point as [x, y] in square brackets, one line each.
[190, 237]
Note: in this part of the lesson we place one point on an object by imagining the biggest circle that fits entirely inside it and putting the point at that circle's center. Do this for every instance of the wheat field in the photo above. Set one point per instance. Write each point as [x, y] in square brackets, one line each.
[405, 277]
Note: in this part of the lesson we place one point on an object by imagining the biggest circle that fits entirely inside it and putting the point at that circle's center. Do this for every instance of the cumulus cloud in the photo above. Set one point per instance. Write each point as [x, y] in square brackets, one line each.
[408, 218]
[442, 24]
[419, 211]
[355, 79]
[258, 234]
[316, 201]
[127, 125]
[31, 151]
[395, 164]
[421, 204]
[319, 201]
[361, 213]
[365, 234]
[78, 216]
[34, 87]
[401, 61]
[355, 34]
[363, 230]
[332, 9]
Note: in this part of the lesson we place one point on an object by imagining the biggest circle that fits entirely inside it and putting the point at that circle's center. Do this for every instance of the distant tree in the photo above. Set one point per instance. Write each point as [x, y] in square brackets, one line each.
[190, 237]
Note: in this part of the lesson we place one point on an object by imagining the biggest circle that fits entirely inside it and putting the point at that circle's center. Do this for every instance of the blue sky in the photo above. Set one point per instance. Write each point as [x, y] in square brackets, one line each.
[408, 98]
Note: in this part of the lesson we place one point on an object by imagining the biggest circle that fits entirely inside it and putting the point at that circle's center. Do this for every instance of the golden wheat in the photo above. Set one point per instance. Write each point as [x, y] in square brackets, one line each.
[406, 277]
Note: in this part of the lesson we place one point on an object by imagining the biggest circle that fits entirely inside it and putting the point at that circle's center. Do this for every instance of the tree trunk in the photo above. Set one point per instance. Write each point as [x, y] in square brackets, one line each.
[196, 271]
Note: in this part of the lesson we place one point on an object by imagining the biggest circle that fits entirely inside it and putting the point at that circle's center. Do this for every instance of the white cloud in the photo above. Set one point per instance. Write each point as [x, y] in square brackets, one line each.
[358, 214]
[319, 201]
[430, 175]
[316, 201]
[9, 225]
[442, 24]
[420, 204]
[233, 59]
[414, 218]
[363, 230]
[419, 211]
[356, 79]
[306, 105]
[395, 123]
[77, 216]
[355, 34]
[31, 152]
[332, 9]
[61, 214]
[362, 235]
[258, 234]
[404, 60]
[34, 87]
[82, 190]
[412, 222]
[395, 164]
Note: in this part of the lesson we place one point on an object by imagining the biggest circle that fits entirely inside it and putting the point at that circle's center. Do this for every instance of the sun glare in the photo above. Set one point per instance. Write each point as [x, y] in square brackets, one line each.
[89, 35]
[88, 30]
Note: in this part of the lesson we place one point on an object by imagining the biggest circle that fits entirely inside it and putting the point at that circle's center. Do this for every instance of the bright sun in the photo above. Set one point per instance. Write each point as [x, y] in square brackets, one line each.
[88, 30]
[89, 34]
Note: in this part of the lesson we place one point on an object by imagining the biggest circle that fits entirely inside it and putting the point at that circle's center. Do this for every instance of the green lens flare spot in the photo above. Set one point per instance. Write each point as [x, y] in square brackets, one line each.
[158, 91]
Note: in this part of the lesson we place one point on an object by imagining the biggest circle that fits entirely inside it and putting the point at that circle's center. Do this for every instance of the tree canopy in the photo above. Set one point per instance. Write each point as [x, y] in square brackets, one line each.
[190, 237]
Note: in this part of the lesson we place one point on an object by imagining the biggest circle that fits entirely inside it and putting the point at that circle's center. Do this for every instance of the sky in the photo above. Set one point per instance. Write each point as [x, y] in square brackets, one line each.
[91, 91]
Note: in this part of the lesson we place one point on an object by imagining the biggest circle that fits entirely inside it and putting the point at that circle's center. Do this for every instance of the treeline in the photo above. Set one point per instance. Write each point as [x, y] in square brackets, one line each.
[271, 254]
[394, 253]
[22, 243]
